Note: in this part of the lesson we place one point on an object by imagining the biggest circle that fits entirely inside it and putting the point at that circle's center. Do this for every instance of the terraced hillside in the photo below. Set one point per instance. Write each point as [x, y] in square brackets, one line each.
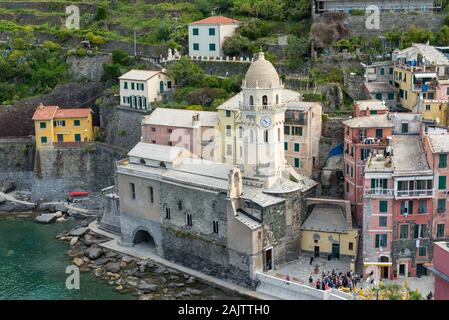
[155, 22]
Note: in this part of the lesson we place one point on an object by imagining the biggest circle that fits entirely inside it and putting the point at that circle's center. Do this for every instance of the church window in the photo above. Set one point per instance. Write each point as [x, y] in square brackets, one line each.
[279, 134]
[266, 136]
[167, 213]
[277, 99]
[189, 220]
[265, 100]
[251, 100]
[215, 226]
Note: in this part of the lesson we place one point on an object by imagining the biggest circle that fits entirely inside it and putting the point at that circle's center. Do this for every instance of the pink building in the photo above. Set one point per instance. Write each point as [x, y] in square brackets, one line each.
[367, 135]
[398, 209]
[368, 107]
[440, 268]
[190, 129]
[442, 90]
[405, 203]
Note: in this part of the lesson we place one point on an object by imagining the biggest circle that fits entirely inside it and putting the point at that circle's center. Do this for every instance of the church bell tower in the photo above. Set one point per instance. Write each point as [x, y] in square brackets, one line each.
[262, 117]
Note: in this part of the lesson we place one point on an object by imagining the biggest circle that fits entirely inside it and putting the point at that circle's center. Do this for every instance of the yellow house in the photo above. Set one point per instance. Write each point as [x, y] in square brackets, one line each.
[328, 229]
[54, 125]
[435, 110]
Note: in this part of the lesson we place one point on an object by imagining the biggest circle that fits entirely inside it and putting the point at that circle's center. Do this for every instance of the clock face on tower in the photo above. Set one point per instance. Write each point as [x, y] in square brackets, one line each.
[265, 121]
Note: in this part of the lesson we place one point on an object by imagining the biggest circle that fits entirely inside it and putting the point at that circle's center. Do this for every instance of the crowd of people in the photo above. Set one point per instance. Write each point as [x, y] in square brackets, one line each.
[328, 280]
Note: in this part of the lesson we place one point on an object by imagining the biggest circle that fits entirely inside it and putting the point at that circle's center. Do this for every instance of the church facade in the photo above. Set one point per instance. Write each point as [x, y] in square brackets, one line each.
[231, 216]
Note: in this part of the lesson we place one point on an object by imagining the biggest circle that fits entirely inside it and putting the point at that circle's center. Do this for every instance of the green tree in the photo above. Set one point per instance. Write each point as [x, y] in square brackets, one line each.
[98, 40]
[121, 57]
[296, 51]
[51, 45]
[254, 29]
[101, 14]
[19, 44]
[111, 72]
[297, 9]
[237, 46]
[185, 72]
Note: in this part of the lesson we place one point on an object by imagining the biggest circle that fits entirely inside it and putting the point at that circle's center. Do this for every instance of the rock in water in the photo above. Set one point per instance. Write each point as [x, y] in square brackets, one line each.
[84, 223]
[93, 252]
[147, 287]
[2, 200]
[112, 267]
[77, 232]
[78, 262]
[73, 241]
[194, 291]
[46, 218]
[61, 219]
[61, 207]
[7, 186]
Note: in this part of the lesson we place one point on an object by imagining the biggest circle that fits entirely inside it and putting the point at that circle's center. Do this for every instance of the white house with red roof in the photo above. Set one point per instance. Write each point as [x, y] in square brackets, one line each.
[206, 36]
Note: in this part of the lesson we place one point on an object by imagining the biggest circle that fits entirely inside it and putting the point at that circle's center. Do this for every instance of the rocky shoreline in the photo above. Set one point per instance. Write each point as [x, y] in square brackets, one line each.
[146, 279]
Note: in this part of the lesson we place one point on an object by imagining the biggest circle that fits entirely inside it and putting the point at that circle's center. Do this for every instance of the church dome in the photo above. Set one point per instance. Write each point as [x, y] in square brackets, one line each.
[262, 74]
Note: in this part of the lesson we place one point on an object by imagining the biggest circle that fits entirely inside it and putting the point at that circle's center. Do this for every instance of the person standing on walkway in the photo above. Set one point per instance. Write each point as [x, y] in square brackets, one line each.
[311, 260]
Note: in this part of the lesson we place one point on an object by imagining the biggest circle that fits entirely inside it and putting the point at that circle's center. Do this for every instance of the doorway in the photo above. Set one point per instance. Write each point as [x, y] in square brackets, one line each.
[336, 250]
[402, 270]
[384, 272]
[316, 251]
[421, 270]
[143, 237]
[161, 87]
[268, 259]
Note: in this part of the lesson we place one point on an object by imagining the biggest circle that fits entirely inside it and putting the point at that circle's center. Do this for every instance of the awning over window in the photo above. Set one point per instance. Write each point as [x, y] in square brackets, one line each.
[425, 75]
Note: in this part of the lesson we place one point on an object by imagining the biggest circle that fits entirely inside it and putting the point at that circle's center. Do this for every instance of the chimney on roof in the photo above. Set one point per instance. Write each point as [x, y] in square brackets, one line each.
[195, 118]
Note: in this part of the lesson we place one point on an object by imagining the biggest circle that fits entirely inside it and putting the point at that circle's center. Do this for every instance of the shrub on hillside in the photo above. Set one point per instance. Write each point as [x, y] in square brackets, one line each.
[185, 72]
[238, 46]
[205, 96]
[51, 45]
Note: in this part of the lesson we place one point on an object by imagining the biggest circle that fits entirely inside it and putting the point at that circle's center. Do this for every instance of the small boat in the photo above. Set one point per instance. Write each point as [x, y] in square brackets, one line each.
[78, 194]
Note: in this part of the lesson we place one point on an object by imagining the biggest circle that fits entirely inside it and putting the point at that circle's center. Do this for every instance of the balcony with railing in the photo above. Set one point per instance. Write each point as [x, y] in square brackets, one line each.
[424, 193]
[424, 87]
[378, 192]
[259, 108]
[411, 68]
[371, 141]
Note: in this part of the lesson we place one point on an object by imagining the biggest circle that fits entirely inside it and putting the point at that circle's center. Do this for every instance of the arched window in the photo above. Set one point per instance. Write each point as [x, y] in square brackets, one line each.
[265, 100]
[279, 134]
[251, 100]
[277, 99]
[251, 136]
[266, 136]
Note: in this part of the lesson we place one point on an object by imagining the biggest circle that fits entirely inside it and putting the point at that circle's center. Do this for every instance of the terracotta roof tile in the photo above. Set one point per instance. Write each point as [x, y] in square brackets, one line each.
[54, 112]
[217, 20]
[73, 113]
[44, 112]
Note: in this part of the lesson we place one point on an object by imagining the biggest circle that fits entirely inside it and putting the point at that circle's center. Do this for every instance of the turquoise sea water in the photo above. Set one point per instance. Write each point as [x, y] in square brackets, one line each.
[33, 264]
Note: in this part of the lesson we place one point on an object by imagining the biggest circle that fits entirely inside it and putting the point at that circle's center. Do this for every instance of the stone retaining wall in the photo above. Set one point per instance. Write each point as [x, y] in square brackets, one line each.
[60, 170]
[16, 161]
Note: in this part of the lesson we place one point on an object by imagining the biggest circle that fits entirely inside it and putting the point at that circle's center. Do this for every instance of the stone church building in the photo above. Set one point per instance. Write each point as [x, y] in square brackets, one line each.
[228, 219]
